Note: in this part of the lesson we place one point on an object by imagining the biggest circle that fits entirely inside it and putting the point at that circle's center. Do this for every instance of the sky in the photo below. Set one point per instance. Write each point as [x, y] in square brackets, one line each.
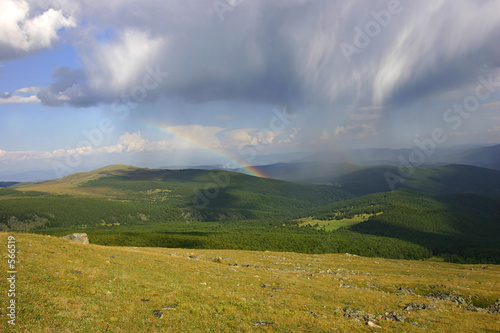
[190, 82]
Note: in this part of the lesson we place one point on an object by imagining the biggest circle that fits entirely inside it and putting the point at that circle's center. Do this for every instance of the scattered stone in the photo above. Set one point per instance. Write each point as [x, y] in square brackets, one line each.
[358, 315]
[77, 272]
[170, 307]
[266, 285]
[492, 309]
[263, 324]
[372, 324]
[193, 257]
[393, 316]
[406, 290]
[473, 308]
[158, 313]
[78, 237]
[485, 267]
[415, 307]
[449, 297]
[495, 308]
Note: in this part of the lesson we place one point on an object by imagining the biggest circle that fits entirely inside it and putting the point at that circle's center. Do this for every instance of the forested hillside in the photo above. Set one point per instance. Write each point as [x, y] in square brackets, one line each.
[124, 205]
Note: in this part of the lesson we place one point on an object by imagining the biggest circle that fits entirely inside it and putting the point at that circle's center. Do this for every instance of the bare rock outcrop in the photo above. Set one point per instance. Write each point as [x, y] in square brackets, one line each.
[78, 237]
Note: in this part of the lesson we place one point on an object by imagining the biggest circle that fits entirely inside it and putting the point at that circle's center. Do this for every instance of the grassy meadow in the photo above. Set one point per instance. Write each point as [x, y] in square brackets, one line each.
[329, 225]
[64, 286]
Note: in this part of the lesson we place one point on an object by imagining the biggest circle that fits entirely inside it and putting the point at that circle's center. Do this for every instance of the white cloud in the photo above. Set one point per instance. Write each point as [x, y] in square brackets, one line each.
[195, 136]
[23, 33]
[358, 131]
[127, 143]
[250, 137]
[21, 96]
[16, 99]
[28, 90]
[117, 65]
[183, 139]
[290, 137]
[133, 142]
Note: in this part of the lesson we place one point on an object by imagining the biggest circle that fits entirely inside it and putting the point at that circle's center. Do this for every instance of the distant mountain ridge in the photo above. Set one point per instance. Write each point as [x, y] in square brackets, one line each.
[485, 157]
[7, 184]
[362, 180]
[480, 156]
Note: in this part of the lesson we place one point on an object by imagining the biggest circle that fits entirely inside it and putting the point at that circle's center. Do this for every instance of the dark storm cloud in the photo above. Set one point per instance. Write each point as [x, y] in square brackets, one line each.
[68, 87]
[290, 51]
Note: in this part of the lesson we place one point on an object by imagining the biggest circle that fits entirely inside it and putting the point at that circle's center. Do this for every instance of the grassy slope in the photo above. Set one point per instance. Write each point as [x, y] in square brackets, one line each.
[69, 185]
[238, 195]
[69, 287]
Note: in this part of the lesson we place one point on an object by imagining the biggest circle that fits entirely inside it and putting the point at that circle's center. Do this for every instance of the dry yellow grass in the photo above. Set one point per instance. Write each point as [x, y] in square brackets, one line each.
[68, 287]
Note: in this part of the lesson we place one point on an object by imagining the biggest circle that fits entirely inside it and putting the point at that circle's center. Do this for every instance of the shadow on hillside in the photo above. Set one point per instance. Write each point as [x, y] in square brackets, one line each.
[474, 219]
[469, 179]
[189, 233]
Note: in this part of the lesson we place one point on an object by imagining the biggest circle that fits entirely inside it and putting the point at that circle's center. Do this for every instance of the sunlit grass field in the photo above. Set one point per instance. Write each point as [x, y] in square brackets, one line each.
[70, 287]
[330, 225]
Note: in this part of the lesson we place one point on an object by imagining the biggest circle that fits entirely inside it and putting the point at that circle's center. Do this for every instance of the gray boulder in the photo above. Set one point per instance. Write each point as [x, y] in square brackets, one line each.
[78, 237]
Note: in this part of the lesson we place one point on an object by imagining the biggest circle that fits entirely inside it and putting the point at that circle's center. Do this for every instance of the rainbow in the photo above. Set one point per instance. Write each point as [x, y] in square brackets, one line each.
[231, 162]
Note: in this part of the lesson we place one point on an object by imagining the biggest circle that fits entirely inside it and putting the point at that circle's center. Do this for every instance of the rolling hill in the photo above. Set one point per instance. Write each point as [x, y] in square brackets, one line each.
[210, 193]
[125, 205]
